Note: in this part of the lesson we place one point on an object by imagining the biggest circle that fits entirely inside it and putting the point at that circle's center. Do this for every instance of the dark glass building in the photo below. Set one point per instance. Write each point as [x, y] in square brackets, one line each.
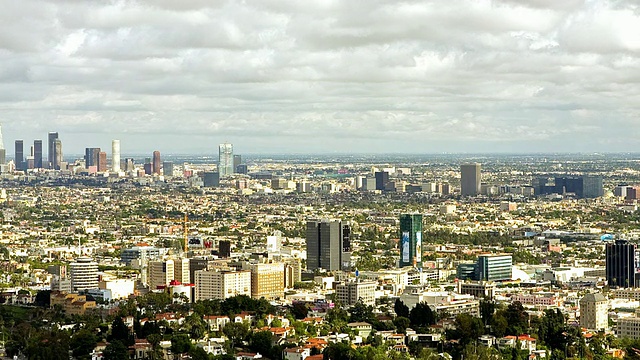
[37, 154]
[411, 240]
[621, 264]
[382, 180]
[52, 149]
[326, 244]
[19, 155]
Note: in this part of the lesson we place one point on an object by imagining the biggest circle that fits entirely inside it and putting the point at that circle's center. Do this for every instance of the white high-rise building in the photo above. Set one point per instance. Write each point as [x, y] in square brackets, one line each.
[115, 156]
[3, 152]
[84, 274]
[225, 160]
[221, 284]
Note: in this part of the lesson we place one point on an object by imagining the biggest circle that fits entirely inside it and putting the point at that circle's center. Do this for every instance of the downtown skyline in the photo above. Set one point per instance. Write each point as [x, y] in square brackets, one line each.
[372, 77]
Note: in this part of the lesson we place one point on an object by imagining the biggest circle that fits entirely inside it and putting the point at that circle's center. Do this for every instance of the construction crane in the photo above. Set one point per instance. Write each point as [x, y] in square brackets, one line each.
[186, 234]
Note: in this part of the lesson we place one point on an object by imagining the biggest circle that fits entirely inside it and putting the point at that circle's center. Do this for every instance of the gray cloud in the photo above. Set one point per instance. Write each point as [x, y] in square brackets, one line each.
[323, 76]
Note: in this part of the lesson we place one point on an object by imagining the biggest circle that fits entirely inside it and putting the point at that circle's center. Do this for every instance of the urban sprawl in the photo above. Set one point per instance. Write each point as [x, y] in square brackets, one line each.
[318, 257]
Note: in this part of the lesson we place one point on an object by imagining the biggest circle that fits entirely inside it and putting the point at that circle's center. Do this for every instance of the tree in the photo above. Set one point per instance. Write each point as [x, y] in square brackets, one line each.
[82, 342]
[43, 298]
[198, 353]
[340, 351]
[467, 328]
[261, 342]
[401, 309]
[487, 308]
[120, 332]
[422, 315]
[180, 343]
[401, 323]
[299, 310]
[517, 318]
[361, 312]
[235, 332]
[116, 350]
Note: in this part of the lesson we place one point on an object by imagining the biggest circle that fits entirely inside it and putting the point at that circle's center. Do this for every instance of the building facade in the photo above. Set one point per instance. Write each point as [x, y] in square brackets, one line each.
[328, 245]
[621, 259]
[411, 240]
[225, 160]
[267, 281]
[220, 284]
[494, 267]
[594, 312]
[349, 293]
[83, 274]
[470, 179]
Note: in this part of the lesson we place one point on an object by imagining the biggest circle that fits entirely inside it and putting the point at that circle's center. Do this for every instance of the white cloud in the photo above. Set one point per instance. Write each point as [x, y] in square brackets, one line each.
[420, 76]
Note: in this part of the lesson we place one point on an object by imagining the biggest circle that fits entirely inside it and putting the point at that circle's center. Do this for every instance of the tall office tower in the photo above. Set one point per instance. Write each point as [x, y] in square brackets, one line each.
[102, 161]
[225, 160]
[326, 245]
[237, 160]
[211, 179]
[411, 240]
[3, 152]
[57, 161]
[91, 157]
[181, 270]
[382, 180]
[84, 274]
[156, 162]
[621, 264]
[167, 168]
[115, 156]
[129, 164]
[51, 155]
[470, 179]
[221, 284]
[37, 154]
[19, 155]
[161, 273]
[267, 281]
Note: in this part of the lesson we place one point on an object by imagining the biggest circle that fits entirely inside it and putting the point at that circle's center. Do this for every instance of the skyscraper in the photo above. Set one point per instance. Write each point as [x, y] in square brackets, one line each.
[621, 264]
[52, 149]
[237, 160]
[225, 160]
[3, 152]
[37, 154]
[470, 179]
[91, 157]
[102, 161]
[411, 240]
[57, 150]
[19, 155]
[382, 180]
[326, 245]
[156, 162]
[115, 156]
[167, 168]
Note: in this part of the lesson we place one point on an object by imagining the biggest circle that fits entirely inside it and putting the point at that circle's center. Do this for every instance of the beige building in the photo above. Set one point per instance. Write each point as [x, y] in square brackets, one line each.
[292, 272]
[221, 284]
[349, 293]
[594, 312]
[160, 273]
[181, 271]
[267, 280]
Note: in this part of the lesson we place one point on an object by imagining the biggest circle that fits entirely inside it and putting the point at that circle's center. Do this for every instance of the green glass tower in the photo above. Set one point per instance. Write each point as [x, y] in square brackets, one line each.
[411, 240]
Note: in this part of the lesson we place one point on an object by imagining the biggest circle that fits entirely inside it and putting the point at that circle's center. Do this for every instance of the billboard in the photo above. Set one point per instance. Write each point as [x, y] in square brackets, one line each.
[405, 248]
[419, 248]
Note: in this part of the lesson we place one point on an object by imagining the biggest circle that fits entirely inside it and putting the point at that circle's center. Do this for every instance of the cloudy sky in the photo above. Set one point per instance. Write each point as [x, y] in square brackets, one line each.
[323, 76]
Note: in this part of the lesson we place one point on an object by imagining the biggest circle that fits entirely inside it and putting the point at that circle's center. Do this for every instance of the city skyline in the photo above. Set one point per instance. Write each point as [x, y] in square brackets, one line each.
[368, 77]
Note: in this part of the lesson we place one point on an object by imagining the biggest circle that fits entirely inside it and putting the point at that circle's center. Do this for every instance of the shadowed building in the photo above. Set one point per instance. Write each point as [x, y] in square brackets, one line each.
[156, 162]
[470, 179]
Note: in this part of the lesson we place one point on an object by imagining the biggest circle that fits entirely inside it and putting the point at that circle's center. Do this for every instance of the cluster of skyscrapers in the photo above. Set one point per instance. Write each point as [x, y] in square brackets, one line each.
[34, 160]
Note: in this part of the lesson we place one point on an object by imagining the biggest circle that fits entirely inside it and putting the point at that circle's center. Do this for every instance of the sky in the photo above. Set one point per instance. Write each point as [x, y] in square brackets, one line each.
[323, 76]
